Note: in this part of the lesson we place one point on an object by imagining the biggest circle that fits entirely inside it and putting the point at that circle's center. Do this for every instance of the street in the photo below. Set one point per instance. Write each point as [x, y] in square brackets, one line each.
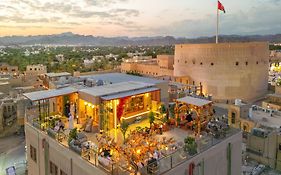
[12, 153]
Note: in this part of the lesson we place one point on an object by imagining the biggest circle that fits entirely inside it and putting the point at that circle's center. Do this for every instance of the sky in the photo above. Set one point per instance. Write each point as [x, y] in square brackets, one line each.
[179, 18]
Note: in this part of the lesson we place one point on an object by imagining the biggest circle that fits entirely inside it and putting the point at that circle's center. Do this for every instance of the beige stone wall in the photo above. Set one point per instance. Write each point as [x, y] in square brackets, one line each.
[166, 61]
[34, 70]
[227, 70]
[62, 157]
[267, 147]
[163, 67]
[241, 118]
[270, 105]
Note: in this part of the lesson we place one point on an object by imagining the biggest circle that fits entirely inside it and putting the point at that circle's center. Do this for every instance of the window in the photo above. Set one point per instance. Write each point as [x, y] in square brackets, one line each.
[257, 62]
[245, 128]
[201, 63]
[246, 63]
[212, 64]
[33, 153]
[233, 117]
[53, 169]
[178, 61]
[185, 62]
[237, 63]
[279, 146]
[62, 172]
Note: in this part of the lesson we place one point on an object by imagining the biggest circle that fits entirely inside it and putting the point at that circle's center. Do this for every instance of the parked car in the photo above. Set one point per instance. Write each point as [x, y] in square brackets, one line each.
[258, 169]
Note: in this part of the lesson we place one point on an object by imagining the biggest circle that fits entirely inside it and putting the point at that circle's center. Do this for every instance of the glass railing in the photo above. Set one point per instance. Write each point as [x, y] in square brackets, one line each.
[162, 165]
[180, 156]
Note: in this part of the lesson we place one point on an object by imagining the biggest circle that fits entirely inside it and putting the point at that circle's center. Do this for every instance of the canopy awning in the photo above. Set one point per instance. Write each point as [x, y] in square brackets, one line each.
[129, 93]
[47, 94]
[194, 101]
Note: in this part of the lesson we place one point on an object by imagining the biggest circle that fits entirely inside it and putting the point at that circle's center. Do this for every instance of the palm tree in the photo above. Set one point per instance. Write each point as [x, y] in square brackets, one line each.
[124, 128]
[151, 118]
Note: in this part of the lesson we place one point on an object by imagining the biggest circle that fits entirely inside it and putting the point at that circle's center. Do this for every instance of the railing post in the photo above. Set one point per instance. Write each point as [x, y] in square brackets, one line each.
[171, 161]
[96, 159]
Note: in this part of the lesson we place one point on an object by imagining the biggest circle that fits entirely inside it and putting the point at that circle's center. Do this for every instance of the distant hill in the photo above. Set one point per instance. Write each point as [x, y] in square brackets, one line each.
[75, 39]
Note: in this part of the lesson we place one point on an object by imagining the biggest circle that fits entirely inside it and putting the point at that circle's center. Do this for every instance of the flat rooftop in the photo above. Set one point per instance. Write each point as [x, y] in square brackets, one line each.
[265, 119]
[47, 94]
[116, 88]
[107, 92]
[119, 77]
[61, 74]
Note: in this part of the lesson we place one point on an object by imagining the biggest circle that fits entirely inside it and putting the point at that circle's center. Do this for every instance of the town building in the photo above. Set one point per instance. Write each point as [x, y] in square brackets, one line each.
[162, 66]
[50, 79]
[7, 69]
[261, 128]
[60, 58]
[264, 146]
[100, 105]
[35, 70]
[12, 113]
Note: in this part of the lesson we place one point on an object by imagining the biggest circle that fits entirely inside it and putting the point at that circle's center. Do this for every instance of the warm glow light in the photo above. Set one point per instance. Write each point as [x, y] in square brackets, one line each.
[93, 106]
[85, 103]
[138, 151]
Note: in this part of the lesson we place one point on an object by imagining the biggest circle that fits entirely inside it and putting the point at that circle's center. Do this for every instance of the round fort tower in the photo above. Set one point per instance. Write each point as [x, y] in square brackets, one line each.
[227, 71]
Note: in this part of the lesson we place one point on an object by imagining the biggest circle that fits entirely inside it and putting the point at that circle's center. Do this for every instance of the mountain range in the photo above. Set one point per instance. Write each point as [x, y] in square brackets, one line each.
[69, 38]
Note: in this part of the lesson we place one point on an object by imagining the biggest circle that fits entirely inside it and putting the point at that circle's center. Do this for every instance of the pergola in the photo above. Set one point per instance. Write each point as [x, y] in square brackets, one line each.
[203, 109]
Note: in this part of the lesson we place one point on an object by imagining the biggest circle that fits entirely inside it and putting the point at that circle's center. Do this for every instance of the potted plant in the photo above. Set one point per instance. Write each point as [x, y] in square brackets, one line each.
[190, 145]
[124, 128]
[151, 118]
[72, 135]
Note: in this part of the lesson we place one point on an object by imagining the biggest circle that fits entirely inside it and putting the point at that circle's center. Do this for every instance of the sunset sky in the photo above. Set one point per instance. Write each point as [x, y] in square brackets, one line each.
[180, 18]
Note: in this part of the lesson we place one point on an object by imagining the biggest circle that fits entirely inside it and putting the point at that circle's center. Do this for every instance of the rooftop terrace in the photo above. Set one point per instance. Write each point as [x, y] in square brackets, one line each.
[173, 153]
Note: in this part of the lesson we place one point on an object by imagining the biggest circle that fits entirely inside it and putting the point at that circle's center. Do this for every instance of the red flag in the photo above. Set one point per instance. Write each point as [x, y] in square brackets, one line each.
[221, 7]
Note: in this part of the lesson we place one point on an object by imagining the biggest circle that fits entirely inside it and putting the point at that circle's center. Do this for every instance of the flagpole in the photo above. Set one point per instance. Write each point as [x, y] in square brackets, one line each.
[217, 34]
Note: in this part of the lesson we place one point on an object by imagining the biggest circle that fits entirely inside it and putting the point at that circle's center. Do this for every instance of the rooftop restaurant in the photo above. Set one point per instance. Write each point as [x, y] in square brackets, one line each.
[123, 127]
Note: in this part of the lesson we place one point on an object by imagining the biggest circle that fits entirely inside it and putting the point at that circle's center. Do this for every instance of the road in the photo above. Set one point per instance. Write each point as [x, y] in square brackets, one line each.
[12, 153]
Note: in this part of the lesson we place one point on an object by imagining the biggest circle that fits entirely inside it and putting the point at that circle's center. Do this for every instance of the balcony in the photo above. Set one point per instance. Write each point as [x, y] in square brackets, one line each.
[183, 145]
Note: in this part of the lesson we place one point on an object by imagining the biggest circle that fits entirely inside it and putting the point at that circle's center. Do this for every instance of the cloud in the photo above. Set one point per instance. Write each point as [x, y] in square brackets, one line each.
[125, 12]
[102, 2]
[262, 18]
[23, 27]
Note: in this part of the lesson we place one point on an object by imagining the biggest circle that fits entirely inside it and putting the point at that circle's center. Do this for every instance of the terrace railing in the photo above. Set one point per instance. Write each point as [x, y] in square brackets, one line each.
[180, 156]
[163, 164]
